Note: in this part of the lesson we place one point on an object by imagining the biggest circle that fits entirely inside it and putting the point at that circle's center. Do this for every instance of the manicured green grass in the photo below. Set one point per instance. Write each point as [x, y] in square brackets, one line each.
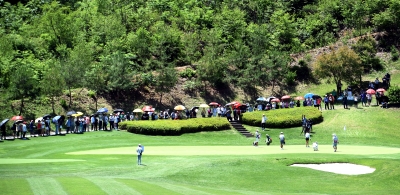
[220, 162]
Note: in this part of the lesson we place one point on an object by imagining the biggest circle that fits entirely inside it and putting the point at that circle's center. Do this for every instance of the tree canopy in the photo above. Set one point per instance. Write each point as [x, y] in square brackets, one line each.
[339, 65]
[121, 45]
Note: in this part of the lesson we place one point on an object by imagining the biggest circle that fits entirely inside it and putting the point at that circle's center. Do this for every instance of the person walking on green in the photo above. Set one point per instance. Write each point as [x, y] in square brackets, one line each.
[282, 140]
[139, 151]
[335, 142]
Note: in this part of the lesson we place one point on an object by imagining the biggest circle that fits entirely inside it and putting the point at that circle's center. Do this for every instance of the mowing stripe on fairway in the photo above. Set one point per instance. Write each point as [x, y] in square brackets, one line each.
[22, 161]
[77, 185]
[45, 185]
[241, 150]
[15, 186]
[111, 186]
[146, 187]
[183, 190]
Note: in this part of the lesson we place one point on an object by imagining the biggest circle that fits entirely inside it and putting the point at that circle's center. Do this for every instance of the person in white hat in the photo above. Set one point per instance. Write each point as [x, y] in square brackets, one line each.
[282, 140]
[139, 152]
[315, 146]
[335, 142]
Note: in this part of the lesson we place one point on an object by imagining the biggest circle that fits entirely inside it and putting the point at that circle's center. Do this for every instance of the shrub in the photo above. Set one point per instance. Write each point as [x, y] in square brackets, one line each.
[187, 73]
[394, 94]
[395, 53]
[290, 78]
[175, 127]
[283, 118]
[63, 103]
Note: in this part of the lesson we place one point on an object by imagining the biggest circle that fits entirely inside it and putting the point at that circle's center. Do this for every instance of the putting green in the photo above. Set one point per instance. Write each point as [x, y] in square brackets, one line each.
[241, 150]
[23, 161]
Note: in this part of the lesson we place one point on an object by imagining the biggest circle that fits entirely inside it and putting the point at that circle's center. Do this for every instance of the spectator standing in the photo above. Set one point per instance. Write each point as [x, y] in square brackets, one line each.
[87, 124]
[43, 125]
[263, 122]
[111, 119]
[319, 100]
[356, 100]
[48, 123]
[31, 128]
[345, 102]
[378, 96]
[363, 99]
[116, 118]
[24, 130]
[92, 121]
[39, 127]
[307, 136]
[369, 98]
[331, 102]
[335, 142]
[376, 83]
[105, 121]
[282, 140]
[3, 132]
[326, 101]
[101, 122]
[255, 143]
[139, 151]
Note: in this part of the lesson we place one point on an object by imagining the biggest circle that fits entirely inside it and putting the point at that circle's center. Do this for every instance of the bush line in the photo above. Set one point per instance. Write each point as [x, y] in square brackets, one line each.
[176, 127]
[283, 118]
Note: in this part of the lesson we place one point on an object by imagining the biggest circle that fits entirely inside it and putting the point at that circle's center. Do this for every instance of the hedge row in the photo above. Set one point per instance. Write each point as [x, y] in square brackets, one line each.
[175, 127]
[283, 118]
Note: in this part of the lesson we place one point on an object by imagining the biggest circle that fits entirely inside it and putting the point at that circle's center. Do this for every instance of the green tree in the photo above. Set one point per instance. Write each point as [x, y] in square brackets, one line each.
[22, 83]
[96, 79]
[342, 64]
[165, 79]
[389, 19]
[52, 85]
[366, 48]
[74, 64]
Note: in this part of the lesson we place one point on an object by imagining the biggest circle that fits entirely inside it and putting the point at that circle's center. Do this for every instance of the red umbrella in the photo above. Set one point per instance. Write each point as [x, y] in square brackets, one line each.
[17, 118]
[381, 90]
[285, 97]
[299, 98]
[147, 108]
[213, 104]
[275, 100]
[370, 91]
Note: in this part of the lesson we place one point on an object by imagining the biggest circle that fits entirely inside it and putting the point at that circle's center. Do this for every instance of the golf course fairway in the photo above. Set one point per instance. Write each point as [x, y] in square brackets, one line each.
[240, 150]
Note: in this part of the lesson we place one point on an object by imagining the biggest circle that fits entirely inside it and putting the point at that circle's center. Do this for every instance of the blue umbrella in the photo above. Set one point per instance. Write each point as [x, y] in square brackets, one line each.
[69, 113]
[101, 110]
[262, 99]
[56, 118]
[308, 95]
[4, 122]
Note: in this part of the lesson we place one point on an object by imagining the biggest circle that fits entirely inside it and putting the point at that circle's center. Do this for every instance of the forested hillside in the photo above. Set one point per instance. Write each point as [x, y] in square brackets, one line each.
[120, 47]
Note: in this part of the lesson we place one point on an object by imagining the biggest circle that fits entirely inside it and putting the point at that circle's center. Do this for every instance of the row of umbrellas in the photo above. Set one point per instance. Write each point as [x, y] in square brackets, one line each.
[308, 95]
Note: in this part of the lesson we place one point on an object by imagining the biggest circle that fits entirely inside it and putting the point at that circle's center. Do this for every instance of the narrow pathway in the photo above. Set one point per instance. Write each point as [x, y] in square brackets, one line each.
[239, 127]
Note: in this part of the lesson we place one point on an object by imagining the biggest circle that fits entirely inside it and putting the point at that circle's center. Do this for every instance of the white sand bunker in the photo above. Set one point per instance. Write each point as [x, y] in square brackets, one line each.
[339, 168]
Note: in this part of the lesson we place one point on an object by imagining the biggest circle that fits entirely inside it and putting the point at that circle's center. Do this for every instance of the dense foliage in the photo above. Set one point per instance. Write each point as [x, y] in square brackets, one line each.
[176, 127]
[283, 118]
[394, 94]
[122, 45]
